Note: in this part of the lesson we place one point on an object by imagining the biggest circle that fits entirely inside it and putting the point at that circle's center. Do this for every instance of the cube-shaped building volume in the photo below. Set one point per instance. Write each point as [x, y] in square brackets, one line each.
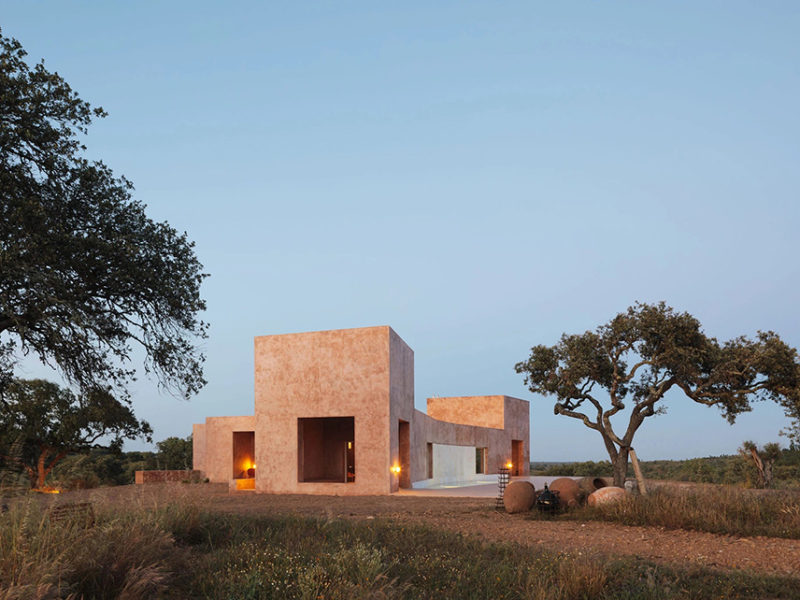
[334, 414]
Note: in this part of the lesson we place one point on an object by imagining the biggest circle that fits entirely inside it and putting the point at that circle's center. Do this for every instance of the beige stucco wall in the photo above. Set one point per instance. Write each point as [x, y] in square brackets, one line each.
[199, 446]
[514, 414]
[401, 392]
[483, 411]
[217, 461]
[367, 374]
[340, 373]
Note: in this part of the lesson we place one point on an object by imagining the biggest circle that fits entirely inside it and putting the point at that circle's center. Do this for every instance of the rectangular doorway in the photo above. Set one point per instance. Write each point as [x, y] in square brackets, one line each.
[244, 459]
[429, 461]
[404, 441]
[517, 457]
[481, 455]
[326, 449]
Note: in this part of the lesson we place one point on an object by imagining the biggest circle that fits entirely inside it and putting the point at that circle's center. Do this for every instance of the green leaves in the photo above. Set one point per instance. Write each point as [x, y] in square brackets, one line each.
[40, 423]
[84, 273]
[642, 353]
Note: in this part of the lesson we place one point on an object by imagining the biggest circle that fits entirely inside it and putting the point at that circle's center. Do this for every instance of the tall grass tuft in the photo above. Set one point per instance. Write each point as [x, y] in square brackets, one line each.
[717, 509]
[117, 558]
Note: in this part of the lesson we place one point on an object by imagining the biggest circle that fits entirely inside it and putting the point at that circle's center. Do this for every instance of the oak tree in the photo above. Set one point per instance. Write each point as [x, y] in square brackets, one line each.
[625, 368]
[175, 453]
[41, 422]
[85, 275]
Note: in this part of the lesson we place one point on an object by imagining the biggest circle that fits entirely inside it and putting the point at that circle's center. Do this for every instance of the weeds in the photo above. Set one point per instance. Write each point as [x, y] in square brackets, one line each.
[125, 558]
[175, 549]
[718, 509]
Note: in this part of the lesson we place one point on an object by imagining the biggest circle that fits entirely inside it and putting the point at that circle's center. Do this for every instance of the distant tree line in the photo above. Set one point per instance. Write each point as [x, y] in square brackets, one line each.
[108, 466]
[733, 469]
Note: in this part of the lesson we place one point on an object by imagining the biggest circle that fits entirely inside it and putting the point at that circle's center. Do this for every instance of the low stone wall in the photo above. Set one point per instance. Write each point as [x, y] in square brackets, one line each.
[167, 476]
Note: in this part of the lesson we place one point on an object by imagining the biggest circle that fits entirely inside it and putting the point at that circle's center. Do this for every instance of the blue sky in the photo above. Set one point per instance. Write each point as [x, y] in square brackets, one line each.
[480, 176]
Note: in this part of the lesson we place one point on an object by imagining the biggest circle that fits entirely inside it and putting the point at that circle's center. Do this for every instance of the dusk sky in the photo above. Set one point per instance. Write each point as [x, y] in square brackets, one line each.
[482, 177]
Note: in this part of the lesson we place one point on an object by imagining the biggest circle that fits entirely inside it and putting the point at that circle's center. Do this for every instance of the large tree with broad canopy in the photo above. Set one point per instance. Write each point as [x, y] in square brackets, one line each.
[85, 275]
[627, 366]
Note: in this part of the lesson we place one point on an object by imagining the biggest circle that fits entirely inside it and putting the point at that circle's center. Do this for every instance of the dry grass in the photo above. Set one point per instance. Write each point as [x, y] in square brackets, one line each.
[725, 510]
[151, 546]
[125, 555]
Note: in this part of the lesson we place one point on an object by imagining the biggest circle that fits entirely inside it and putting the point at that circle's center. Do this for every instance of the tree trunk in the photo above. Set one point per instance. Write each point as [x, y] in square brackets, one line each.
[762, 478]
[768, 473]
[620, 464]
[40, 470]
[638, 472]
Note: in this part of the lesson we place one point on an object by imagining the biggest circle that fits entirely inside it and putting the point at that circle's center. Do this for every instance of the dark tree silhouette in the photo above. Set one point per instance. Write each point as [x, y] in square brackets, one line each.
[85, 275]
[636, 358]
[40, 423]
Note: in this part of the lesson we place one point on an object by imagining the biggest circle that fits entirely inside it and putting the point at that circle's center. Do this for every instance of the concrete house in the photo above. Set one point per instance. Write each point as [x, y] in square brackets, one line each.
[334, 414]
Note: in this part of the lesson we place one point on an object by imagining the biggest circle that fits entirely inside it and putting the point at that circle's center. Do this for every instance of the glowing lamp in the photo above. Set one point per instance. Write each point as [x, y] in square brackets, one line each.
[395, 469]
[509, 465]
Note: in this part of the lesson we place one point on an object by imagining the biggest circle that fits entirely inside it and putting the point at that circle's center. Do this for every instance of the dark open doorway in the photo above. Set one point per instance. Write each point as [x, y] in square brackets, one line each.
[517, 457]
[429, 461]
[404, 438]
[326, 449]
[481, 459]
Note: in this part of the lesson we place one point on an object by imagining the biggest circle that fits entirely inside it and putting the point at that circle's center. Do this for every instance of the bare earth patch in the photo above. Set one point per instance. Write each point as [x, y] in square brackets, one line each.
[477, 517]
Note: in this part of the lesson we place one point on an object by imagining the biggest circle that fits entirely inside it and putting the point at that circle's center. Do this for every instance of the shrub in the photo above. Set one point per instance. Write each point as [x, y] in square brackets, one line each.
[716, 509]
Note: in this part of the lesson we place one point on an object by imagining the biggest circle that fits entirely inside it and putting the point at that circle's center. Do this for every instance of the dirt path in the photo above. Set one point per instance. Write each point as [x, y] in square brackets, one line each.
[476, 516]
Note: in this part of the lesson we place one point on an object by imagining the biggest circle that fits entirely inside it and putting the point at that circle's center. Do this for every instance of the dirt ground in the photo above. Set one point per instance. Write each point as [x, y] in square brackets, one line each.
[477, 517]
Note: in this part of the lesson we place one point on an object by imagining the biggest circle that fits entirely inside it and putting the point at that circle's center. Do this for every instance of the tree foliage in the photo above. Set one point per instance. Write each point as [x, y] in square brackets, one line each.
[41, 422]
[84, 273]
[632, 361]
[175, 453]
[762, 459]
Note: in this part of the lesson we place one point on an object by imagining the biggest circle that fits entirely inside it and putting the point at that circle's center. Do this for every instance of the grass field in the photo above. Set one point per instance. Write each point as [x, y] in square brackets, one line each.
[176, 548]
[717, 509]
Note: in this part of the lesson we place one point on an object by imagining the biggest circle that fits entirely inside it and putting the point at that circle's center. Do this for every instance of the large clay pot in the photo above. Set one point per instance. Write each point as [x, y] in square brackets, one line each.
[590, 484]
[519, 496]
[606, 495]
[569, 493]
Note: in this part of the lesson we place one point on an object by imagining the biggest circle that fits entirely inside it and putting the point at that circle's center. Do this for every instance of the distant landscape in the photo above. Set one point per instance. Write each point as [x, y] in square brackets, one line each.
[730, 469]
[104, 467]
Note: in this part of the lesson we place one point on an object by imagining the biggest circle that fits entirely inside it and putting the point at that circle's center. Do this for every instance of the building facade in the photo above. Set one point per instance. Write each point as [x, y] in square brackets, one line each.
[334, 414]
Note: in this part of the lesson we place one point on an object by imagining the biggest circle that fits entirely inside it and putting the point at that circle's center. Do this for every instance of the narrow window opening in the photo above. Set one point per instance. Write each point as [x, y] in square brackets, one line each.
[430, 461]
[480, 459]
[404, 440]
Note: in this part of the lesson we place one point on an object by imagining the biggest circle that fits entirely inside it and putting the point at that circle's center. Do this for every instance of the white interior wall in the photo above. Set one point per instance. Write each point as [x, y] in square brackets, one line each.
[452, 464]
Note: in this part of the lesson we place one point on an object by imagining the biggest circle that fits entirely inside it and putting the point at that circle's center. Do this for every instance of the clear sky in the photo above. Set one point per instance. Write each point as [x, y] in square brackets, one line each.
[480, 176]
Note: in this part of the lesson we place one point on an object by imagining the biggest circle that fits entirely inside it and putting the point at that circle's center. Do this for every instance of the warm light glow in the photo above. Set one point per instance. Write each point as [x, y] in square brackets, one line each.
[254, 466]
[46, 490]
[509, 465]
[245, 484]
[349, 445]
[395, 469]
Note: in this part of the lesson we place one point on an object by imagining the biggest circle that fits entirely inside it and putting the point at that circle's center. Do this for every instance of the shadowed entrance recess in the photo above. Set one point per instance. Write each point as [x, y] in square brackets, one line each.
[244, 456]
[326, 449]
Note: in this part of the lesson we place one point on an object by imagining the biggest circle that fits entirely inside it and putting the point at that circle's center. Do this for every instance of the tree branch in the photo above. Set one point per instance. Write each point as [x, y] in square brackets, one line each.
[561, 410]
